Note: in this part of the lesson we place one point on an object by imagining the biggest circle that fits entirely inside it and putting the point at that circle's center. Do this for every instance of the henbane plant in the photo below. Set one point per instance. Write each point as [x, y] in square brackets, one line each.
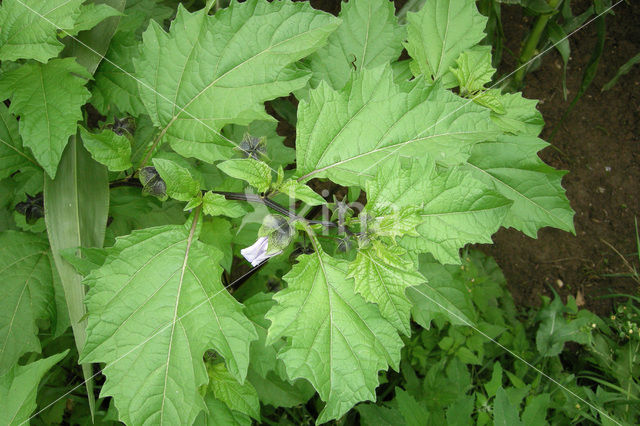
[431, 158]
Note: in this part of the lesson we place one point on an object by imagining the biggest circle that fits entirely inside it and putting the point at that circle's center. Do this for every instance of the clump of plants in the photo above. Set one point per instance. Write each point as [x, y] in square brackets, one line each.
[166, 259]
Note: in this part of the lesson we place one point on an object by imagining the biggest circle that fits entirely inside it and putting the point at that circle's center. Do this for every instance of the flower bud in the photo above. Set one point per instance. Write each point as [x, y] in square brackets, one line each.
[152, 183]
[253, 147]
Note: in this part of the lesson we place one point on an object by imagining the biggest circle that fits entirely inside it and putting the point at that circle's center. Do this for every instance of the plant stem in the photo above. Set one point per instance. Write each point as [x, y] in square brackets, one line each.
[251, 198]
[531, 43]
[312, 236]
[254, 198]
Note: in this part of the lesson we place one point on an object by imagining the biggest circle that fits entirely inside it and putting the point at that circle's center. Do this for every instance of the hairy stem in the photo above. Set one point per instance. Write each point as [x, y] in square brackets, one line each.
[251, 198]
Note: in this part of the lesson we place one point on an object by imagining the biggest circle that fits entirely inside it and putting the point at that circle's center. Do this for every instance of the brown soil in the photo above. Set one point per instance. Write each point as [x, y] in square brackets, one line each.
[599, 144]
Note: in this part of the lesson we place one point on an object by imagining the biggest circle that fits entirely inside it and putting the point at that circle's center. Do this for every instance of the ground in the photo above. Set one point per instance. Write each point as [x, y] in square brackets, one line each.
[599, 144]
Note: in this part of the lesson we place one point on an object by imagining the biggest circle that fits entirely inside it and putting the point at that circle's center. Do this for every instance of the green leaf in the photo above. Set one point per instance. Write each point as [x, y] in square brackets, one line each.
[27, 294]
[115, 84]
[336, 138]
[155, 306]
[368, 36]
[414, 413]
[381, 276]
[19, 387]
[535, 412]
[520, 115]
[560, 40]
[263, 356]
[504, 412]
[13, 156]
[209, 71]
[396, 224]
[511, 165]
[217, 232]
[275, 391]
[491, 99]
[180, 184]
[27, 35]
[89, 47]
[454, 208]
[47, 97]
[83, 259]
[399, 184]
[460, 412]
[216, 205]
[440, 32]
[335, 339]
[238, 397]
[474, 69]
[300, 191]
[624, 69]
[444, 293]
[130, 211]
[91, 15]
[372, 414]
[458, 210]
[266, 372]
[138, 13]
[496, 380]
[108, 148]
[255, 173]
[555, 330]
[220, 414]
[76, 206]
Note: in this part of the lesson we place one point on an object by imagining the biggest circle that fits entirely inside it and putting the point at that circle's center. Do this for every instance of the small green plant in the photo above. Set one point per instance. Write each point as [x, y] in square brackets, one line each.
[451, 374]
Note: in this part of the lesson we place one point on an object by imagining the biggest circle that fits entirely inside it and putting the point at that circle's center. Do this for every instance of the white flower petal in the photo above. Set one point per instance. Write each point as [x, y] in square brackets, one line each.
[257, 252]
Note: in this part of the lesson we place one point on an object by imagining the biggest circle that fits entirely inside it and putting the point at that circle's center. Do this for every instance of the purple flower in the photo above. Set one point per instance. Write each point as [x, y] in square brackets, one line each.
[257, 253]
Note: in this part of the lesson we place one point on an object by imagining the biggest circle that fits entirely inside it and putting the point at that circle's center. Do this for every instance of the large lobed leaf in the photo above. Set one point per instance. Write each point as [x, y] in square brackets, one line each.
[155, 306]
[455, 208]
[458, 209]
[27, 294]
[212, 70]
[382, 274]
[335, 339]
[440, 32]
[47, 97]
[369, 36]
[512, 166]
[30, 28]
[347, 135]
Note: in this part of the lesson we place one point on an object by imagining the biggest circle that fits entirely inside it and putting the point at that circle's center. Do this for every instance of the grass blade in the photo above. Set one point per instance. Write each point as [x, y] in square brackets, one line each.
[76, 206]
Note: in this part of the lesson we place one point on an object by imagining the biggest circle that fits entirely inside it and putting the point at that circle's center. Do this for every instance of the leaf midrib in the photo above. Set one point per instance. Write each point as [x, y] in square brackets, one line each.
[175, 312]
[388, 147]
[517, 192]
